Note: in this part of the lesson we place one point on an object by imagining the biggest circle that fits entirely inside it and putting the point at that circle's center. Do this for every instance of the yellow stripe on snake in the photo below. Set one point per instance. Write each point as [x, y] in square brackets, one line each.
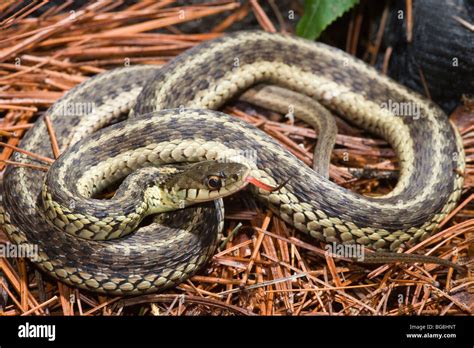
[171, 121]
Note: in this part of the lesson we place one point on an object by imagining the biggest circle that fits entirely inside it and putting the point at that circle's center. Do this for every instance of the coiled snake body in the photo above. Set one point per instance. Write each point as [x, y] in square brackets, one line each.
[171, 121]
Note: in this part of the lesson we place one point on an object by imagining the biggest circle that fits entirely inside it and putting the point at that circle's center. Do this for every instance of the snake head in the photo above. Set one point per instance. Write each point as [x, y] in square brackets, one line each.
[206, 181]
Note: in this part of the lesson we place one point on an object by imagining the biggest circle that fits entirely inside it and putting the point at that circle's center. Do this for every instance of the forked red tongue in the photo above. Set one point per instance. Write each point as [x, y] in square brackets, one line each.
[260, 184]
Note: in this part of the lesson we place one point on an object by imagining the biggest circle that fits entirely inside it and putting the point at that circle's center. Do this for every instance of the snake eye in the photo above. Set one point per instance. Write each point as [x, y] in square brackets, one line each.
[234, 177]
[214, 182]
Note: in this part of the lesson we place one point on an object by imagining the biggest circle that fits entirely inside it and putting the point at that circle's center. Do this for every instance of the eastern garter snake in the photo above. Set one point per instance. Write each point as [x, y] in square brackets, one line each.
[169, 123]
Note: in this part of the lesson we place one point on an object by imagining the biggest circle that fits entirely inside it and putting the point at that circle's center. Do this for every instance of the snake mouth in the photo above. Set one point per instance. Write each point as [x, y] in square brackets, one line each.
[231, 189]
[220, 193]
[231, 179]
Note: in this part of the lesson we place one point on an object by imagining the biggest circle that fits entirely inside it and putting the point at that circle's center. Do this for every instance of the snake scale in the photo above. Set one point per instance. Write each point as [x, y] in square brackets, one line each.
[171, 120]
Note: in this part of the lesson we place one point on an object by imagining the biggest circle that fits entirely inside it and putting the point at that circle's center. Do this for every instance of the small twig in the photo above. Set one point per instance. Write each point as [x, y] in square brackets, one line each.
[465, 23]
[52, 137]
[380, 32]
[456, 210]
[27, 165]
[187, 298]
[425, 84]
[259, 285]
[278, 15]
[262, 17]
[356, 32]
[89, 312]
[231, 234]
[44, 304]
[257, 245]
[28, 153]
[386, 59]
[409, 29]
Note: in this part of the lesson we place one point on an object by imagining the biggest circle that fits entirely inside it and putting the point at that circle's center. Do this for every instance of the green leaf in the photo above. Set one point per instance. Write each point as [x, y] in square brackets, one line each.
[318, 14]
